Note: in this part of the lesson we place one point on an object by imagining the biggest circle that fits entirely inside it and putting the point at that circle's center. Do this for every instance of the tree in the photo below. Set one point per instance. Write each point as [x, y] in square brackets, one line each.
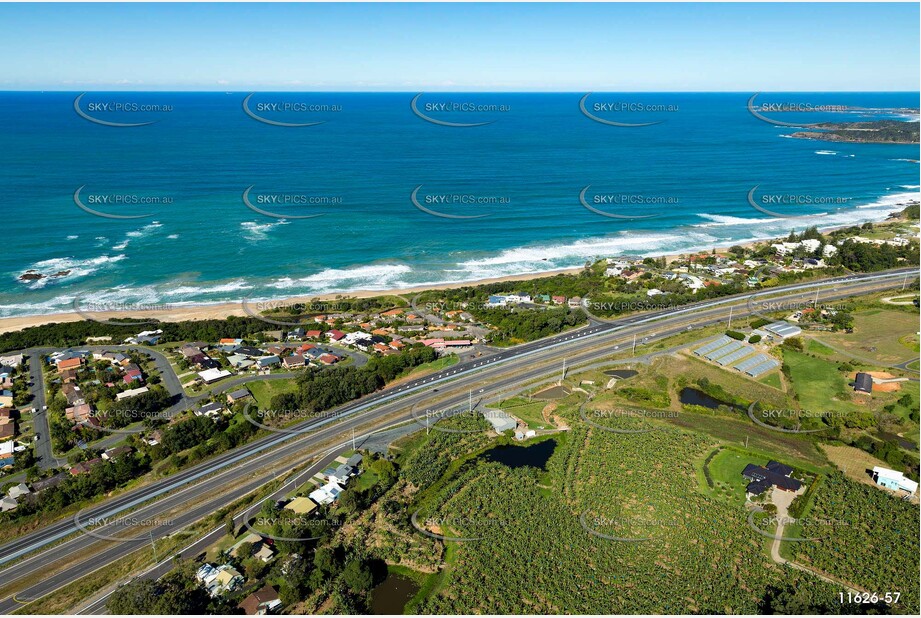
[357, 576]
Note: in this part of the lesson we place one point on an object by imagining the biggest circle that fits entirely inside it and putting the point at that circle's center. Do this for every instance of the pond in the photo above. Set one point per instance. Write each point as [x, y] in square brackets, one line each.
[694, 397]
[535, 455]
[621, 374]
[392, 594]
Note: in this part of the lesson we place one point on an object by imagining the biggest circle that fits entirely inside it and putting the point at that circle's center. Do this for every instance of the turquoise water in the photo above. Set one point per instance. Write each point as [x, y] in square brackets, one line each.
[202, 243]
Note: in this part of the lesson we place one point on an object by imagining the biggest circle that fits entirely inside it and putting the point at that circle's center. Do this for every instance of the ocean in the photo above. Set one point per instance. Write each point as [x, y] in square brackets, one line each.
[392, 194]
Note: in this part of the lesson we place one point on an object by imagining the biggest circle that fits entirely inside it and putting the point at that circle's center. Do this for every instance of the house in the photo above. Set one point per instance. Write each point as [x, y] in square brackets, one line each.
[354, 460]
[301, 506]
[239, 361]
[340, 474]
[17, 491]
[326, 494]
[131, 393]
[497, 301]
[294, 361]
[774, 474]
[72, 394]
[68, 376]
[863, 383]
[7, 504]
[313, 334]
[267, 361]
[79, 413]
[70, 363]
[334, 335]
[327, 359]
[85, 466]
[575, 302]
[51, 481]
[263, 601]
[7, 430]
[219, 580]
[238, 395]
[251, 538]
[114, 453]
[6, 399]
[890, 479]
[213, 375]
[133, 375]
[212, 409]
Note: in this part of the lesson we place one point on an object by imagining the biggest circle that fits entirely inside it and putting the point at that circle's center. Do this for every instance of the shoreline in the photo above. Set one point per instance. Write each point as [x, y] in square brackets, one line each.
[224, 309]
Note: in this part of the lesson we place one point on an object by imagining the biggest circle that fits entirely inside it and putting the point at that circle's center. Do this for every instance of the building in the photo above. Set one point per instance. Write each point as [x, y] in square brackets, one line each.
[7, 504]
[131, 393]
[782, 330]
[238, 395]
[263, 601]
[295, 361]
[17, 491]
[499, 420]
[301, 506]
[85, 466]
[890, 479]
[326, 494]
[774, 474]
[114, 453]
[863, 383]
[219, 580]
[213, 375]
[211, 409]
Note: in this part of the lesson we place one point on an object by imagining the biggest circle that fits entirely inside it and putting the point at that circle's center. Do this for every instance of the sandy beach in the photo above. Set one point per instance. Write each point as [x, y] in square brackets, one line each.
[222, 310]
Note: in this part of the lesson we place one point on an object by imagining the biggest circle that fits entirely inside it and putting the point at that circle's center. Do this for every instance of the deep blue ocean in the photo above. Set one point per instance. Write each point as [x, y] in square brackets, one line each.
[521, 175]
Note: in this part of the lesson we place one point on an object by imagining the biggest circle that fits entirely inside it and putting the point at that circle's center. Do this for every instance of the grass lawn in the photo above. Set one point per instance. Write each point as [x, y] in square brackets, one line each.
[726, 471]
[264, 390]
[530, 413]
[818, 383]
[883, 335]
[772, 379]
[426, 368]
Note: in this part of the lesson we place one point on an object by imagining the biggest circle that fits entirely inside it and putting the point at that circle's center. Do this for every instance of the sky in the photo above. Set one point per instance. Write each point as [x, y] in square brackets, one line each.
[461, 47]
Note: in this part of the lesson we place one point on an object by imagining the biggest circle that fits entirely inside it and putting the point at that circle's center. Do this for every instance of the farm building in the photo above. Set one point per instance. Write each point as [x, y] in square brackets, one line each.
[890, 479]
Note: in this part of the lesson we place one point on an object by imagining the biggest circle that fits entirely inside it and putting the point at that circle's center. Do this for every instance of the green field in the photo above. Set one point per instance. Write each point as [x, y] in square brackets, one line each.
[264, 390]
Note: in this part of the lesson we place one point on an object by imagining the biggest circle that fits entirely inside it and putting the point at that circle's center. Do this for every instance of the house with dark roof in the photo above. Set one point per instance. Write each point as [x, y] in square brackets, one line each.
[863, 383]
[774, 474]
[263, 601]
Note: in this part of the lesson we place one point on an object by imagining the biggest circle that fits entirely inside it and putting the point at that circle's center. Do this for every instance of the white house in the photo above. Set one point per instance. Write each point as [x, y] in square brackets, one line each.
[326, 494]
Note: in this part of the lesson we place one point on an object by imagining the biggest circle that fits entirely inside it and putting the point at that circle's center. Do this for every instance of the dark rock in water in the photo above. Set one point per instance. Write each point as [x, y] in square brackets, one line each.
[61, 273]
[31, 276]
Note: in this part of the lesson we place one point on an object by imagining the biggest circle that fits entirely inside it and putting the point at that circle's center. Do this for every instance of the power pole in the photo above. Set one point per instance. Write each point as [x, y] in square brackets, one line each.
[815, 303]
[154, 547]
[353, 438]
[730, 316]
[633, 351]
[904, 282]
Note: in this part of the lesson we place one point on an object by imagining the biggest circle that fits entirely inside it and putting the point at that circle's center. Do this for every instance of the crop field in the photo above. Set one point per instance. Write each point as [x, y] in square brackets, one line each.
[615, 525]
[868, 537]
